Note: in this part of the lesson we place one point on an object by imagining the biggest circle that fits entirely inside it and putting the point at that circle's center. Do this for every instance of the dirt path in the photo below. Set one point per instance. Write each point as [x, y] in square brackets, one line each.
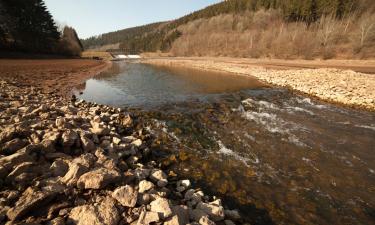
[54, 75]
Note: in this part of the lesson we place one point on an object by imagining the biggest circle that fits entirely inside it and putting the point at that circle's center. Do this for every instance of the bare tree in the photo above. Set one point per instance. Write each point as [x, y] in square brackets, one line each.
[327, 26]
[366, 28]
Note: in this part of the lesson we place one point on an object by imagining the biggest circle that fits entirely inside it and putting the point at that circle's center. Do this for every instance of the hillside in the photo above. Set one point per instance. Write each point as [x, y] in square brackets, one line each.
[258, 28]
[27, 27]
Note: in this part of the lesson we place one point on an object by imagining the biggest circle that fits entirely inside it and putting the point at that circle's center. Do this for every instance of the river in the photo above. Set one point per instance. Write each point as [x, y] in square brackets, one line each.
[278, 156]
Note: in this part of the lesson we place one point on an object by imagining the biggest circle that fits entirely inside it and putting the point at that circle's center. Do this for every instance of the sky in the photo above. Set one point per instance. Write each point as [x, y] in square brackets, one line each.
[93, 17]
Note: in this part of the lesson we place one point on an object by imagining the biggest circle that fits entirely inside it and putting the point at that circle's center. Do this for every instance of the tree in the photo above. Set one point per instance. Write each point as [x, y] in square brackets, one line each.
[70, 43]
[32, 26]
[366, 28]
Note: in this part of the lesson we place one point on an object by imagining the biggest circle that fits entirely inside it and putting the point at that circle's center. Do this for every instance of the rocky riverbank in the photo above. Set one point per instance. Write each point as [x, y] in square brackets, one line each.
[334, 85]
[74, 162]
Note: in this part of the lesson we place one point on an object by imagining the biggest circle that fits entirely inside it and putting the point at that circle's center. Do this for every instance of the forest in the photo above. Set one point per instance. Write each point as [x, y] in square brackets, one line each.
[257, 28]
[27, 26]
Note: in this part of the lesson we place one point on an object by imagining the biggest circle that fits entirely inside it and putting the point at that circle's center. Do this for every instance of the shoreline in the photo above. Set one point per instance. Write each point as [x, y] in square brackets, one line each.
[52, 75]
[342, 87]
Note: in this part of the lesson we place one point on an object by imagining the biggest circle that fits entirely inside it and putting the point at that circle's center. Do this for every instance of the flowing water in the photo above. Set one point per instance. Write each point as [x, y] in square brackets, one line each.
[281, 158]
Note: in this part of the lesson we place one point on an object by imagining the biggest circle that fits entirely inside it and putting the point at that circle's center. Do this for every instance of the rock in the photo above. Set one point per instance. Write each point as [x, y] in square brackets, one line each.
[22, 168]
[87, 160]
[7, 134]
[232, 214]
[60, 122]
[99, 129]
[183, 185]
[12, 146]
[159, 177]
[31, 199]
[87, 144]
[141, 173]
[213, 209]
[182, 213]
[145, 185]
[57, 221]
[128, 139]
[3, 213]
[126, 196]
[173, 221]
[143, 199]
[105, 213]
[162, 183]
[206, 221]
[74, 173]
[98, 178]
[69, 138]
[59, 168]
[162, 206]
[229, 222]
[197, 214]
[10, 161]
[193, 196]
[137, 143]
[52, 136]
[116, 140]
[147, 218]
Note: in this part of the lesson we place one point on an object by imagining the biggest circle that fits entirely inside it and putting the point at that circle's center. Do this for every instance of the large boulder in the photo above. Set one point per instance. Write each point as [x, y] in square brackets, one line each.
[126, 196]
[98, 178]
[104, 213]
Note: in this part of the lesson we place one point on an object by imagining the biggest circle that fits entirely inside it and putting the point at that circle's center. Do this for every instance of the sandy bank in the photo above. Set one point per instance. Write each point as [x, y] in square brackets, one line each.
[52, 75]
[330, 84]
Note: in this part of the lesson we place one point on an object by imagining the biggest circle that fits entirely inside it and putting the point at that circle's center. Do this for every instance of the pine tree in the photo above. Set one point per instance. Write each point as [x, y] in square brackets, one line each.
[33, 28]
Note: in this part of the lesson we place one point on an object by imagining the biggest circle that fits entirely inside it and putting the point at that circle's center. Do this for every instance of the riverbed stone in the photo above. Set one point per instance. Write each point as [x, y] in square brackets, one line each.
[145, 186]
[126, 195]
[104, 213]
[147, 218]
[214, 209]
[12, 146]
[98, 178]
[31, 199]
[161, 206]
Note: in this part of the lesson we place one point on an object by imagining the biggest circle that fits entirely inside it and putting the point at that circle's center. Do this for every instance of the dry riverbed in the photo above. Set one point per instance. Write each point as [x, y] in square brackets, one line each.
[334, 85]
[52, 75]
[74, 162]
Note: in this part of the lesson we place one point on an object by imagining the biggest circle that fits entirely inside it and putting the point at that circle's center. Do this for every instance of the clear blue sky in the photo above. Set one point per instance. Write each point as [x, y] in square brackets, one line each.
[93, 17]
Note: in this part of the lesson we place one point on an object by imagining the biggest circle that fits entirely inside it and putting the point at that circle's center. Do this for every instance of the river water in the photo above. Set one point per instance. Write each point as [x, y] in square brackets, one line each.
[280, 157]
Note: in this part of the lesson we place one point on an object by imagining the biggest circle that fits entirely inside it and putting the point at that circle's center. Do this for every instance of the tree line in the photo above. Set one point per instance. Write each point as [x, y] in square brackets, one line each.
[28, 26]
[160, 36]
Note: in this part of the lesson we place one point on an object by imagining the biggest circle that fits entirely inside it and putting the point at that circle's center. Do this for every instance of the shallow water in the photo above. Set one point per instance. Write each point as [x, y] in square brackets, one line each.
[281, 158]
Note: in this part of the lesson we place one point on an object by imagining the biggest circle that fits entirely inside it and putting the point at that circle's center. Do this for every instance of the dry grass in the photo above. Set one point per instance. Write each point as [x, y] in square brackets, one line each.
[266, 34]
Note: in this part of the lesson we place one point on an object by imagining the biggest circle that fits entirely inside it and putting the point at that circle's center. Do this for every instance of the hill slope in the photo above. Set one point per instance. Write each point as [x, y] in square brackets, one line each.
[258, 28]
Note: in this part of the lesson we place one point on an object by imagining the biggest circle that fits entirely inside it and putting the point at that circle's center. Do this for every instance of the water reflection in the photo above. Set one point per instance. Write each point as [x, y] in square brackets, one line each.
[134, 84]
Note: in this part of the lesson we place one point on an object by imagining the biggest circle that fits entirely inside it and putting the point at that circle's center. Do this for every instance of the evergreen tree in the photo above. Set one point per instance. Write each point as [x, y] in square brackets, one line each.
[32, 28]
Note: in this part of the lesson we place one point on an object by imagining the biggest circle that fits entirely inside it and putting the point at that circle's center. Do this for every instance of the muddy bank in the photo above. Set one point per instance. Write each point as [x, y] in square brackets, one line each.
[73, 162]
[334, 85]
[52, 75]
